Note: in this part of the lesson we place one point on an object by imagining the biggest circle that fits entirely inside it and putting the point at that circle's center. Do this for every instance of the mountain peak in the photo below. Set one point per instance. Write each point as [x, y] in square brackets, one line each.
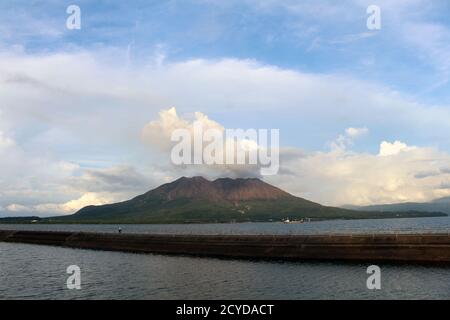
[243, 189]
[194, 178]
[219, 190]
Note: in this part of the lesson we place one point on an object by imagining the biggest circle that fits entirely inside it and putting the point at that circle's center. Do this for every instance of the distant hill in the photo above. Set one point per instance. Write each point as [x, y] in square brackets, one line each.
[190, 200]
[31, 219]
[438, 205]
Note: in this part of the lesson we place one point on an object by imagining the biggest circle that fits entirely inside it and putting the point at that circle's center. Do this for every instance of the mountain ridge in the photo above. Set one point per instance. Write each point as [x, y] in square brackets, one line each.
[198, 200]
[436, 205]
[221, 189]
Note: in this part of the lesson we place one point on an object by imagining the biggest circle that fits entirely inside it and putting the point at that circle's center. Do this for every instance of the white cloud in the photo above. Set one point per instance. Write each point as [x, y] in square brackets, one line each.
[119, 101]
[343, 176]
[69, 207]
[90, 198]
[356, 132]
[390, 149]
[159, 133]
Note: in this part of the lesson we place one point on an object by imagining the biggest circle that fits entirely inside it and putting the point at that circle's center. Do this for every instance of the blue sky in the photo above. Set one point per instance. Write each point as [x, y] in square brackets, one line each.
[80, 98]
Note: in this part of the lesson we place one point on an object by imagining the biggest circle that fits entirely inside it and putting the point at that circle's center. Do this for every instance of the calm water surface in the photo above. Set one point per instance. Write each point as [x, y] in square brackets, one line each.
[414, 225]
[39, 272]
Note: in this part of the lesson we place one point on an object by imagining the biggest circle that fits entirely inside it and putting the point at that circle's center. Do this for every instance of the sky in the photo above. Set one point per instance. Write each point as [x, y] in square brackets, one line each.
[364, 115]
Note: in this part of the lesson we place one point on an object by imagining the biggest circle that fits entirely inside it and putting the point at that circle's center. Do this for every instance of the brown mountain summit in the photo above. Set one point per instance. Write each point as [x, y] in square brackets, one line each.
[223, 189]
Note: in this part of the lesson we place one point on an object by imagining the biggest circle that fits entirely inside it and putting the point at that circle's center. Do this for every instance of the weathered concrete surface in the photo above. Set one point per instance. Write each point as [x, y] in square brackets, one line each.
[427, 248]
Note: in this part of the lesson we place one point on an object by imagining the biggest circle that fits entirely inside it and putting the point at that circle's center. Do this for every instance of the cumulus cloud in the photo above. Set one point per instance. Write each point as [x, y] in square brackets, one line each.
[390, 149]
[395, 174]
[68, 207]
[72, 206]
[159, 133]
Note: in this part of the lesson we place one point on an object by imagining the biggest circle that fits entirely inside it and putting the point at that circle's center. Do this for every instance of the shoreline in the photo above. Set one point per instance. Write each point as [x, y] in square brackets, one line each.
[400, 248]
[50, 221]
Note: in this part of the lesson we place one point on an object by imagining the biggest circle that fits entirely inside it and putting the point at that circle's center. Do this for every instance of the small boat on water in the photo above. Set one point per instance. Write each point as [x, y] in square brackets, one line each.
[287, 220]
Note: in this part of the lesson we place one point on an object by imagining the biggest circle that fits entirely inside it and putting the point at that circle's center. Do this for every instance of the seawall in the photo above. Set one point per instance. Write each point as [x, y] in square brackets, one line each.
[423, 248]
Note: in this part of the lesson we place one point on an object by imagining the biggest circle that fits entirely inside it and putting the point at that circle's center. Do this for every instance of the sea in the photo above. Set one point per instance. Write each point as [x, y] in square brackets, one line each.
[41, 272]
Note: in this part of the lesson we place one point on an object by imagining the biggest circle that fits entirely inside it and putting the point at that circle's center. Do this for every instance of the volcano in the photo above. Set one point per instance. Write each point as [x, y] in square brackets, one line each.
[198, 200]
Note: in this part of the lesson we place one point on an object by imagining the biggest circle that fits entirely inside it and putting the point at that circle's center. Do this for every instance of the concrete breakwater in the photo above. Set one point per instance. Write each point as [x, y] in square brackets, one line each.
[423, 248]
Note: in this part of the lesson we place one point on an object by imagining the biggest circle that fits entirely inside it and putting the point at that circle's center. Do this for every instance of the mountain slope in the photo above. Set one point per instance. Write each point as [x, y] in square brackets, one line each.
[438, 205]
[196, 199]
